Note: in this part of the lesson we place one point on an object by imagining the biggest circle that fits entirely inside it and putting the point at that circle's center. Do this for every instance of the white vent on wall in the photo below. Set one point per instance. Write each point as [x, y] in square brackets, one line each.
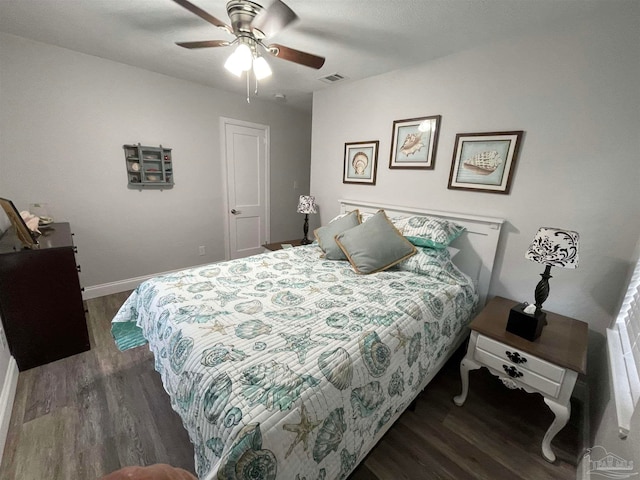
[623, 340]
[333, 78]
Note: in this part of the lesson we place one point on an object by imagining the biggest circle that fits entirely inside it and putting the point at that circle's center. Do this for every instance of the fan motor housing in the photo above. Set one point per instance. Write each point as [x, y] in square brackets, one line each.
[241, 13]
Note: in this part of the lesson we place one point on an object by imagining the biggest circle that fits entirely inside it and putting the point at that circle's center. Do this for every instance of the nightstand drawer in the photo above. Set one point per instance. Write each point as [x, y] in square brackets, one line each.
[521, 360]
[518, 373]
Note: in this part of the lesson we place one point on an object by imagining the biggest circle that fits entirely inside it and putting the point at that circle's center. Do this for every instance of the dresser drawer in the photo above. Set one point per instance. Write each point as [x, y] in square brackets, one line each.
[520, 359]
[522, 375]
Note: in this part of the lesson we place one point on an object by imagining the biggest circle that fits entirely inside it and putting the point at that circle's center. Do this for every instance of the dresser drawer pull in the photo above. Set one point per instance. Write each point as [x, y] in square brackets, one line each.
[512, 372]
[75, 249]
[515, 357]
[78, 268]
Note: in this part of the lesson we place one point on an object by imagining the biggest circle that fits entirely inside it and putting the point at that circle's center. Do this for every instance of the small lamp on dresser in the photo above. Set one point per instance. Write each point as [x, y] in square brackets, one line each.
[306, 205]
[553, 247]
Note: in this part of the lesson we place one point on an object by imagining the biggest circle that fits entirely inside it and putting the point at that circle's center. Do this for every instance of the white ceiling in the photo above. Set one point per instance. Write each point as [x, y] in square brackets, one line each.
[359, 38]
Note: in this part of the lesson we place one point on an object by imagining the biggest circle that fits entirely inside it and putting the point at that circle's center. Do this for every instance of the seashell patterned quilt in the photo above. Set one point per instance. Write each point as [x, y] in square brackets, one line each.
[286, 365]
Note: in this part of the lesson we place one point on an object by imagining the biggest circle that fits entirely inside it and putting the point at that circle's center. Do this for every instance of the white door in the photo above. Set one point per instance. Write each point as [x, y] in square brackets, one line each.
[247, 166]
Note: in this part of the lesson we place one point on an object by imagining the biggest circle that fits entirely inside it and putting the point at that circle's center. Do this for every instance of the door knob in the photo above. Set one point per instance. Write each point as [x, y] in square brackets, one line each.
[235, 212]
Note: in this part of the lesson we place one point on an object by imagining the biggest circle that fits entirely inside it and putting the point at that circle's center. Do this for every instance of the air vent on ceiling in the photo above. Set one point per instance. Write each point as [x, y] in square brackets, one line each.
[333, 78]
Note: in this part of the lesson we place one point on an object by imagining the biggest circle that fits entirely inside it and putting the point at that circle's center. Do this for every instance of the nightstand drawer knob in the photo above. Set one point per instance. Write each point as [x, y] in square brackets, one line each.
[515, 357]
[512, 372]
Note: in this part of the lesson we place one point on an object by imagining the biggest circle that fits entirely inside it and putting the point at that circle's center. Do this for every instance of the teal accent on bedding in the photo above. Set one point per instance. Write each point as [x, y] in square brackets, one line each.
[127, 335]
[285, 365]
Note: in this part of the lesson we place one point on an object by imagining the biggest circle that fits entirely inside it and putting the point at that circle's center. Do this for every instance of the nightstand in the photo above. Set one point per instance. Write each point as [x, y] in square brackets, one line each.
[549, 365]
[278, 245]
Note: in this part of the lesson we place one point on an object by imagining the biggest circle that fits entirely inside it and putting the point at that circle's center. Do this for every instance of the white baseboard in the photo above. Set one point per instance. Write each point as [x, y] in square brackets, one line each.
[124, 285]
[7, 396]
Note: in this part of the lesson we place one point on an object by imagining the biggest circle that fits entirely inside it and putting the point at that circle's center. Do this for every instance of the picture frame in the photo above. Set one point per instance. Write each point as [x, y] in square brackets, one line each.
[28, 238]
[414, 143]
[485, 162]
[360, 162]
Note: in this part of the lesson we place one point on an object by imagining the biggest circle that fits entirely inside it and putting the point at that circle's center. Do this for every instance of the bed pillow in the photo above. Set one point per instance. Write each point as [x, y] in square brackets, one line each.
[425, 231]
[426, 261]
[326, 235]
[364, 216]
[436, 263]
[374, 245]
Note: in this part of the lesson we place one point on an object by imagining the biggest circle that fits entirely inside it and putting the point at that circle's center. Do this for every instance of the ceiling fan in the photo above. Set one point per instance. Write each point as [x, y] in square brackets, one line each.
[251, 24]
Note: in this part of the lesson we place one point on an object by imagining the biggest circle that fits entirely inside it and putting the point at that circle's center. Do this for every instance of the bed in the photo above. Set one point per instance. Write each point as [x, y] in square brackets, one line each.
[289, 365]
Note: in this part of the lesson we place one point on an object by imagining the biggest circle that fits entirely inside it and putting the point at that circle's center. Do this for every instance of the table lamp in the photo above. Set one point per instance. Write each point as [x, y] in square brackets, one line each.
[552, 247]
[306, 205]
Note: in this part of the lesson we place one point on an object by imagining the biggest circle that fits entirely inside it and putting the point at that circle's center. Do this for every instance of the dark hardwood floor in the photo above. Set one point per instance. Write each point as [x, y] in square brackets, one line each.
[90, 414]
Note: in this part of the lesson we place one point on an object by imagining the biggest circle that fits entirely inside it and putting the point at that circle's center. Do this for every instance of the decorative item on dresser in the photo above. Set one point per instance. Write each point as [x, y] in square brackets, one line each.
[40, 298]
[28, 238]
[306, 205]
[549, 366]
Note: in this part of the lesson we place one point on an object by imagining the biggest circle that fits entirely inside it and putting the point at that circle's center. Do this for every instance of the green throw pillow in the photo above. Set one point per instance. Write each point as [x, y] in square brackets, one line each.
[326, 235]
[375, 245]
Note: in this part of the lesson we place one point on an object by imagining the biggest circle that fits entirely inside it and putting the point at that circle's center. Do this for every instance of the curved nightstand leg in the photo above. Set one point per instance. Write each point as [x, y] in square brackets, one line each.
[562, 414]
[465, 365]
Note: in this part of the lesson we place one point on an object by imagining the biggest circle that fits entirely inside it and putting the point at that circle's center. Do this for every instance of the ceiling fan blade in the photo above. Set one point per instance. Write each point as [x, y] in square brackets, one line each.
[204, 44]
[204, 15]
[296, 56]
[273, 18]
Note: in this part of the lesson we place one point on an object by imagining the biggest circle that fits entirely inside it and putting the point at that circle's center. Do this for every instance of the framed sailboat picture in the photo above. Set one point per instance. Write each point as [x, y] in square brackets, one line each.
[484, 162]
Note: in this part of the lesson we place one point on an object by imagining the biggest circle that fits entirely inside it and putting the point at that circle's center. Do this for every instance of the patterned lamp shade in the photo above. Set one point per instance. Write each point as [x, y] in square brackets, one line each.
[307, 204]
[554, 247]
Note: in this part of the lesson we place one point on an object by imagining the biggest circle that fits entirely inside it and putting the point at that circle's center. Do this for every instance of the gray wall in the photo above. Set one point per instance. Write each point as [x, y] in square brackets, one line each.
[64, 117]
[575, 94]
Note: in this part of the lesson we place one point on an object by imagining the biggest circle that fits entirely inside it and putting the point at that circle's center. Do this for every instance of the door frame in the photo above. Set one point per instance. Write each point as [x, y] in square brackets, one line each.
[224, 121]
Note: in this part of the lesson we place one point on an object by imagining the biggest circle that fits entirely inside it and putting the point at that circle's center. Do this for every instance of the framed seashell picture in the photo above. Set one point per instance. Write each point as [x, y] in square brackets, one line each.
[360, 162]
[484, 162]
[414, 143]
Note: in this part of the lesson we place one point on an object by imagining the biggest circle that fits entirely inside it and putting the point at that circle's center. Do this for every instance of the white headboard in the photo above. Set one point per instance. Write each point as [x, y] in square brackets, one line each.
[478, 244]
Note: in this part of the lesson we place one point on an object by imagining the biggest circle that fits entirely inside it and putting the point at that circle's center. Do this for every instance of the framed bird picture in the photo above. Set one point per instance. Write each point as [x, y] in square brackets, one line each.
[414, 142]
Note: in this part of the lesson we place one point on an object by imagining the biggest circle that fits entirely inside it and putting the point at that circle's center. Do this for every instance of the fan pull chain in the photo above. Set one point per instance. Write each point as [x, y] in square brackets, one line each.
[248, 86]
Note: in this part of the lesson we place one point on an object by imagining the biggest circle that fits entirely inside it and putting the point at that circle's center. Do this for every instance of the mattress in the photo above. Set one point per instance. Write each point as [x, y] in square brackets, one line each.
[287, 365]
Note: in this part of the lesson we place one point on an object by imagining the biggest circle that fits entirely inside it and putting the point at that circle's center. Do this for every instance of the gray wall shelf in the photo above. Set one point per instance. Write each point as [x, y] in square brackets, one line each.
[148, 167]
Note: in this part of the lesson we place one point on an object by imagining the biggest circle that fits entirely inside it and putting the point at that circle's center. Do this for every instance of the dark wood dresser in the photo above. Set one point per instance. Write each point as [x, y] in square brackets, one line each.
[40, 298]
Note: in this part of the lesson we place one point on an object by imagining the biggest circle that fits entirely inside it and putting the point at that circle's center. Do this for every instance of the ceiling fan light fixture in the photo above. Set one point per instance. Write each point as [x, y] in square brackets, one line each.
[244, 57]
[261, 68]
[240, 60]
[232, 65]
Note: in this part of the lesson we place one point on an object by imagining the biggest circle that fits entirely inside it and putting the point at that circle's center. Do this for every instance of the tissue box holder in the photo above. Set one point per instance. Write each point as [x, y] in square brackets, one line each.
[526, 325]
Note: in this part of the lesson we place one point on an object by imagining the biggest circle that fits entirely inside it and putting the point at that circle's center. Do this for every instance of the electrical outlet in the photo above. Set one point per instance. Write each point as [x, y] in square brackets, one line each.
[201, 250]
